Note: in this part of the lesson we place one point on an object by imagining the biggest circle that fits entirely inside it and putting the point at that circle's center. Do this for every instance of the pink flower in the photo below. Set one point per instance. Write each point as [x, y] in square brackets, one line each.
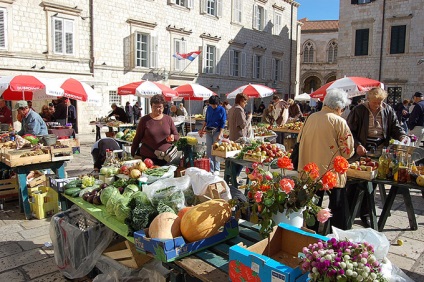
[287, 185]
[258, 196]
[268, 175]
[323, 215]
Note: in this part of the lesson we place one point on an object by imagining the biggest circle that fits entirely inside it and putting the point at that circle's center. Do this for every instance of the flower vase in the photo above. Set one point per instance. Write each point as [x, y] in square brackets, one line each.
[294, 218]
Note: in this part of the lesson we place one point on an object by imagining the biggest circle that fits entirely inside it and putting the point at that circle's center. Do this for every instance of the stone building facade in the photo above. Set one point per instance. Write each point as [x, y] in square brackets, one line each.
[383, 40]
[318, 53]
[111, 43]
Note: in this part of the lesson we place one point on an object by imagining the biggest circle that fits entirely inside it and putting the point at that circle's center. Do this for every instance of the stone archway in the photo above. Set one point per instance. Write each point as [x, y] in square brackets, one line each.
[331, 78]
[311, 83]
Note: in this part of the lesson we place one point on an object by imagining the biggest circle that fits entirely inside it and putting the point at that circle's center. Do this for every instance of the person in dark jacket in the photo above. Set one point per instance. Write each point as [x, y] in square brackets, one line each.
[373, 124]
[61, 112]
[98, 151]
[416, 119]
[119, 113]
[402, 112]
[129, 112]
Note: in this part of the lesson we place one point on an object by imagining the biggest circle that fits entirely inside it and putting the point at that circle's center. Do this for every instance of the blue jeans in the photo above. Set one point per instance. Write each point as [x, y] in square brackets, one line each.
[210, 139]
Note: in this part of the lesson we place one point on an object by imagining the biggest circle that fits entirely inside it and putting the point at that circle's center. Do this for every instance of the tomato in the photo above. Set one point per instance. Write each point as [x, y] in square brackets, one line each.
[149, 163]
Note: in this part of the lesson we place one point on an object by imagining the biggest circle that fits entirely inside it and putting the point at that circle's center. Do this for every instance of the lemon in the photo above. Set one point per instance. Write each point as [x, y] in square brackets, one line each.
[400, 242]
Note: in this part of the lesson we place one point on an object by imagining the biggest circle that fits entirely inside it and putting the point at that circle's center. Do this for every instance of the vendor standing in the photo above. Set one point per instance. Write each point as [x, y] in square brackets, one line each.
[155, 131]
[119, 113]
[5, 113]
[61, 112]
[32, 122]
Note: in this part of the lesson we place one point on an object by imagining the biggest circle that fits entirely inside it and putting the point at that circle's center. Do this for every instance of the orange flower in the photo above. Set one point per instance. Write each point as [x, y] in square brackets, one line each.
[285, 163]
[329, 180]
[310, 167]
[287, 185]
[340, 164]
[265, 187]
[314, 174]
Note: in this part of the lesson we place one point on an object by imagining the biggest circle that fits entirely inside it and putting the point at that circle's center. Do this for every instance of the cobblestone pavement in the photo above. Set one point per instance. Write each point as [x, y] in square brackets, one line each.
[25, 254]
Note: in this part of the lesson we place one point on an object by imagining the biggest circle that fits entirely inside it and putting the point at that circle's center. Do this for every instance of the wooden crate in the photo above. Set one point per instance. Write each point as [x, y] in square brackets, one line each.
[225, 154]
[61, 154]
[254, 158]
[213, 191]
[9, 187]
[126, 254]
[38, 179]
[13, 158]
[362, 174]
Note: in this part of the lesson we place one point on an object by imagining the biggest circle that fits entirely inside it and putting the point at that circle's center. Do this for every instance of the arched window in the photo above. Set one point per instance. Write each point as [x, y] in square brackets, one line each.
[308, 52]
[332, 52]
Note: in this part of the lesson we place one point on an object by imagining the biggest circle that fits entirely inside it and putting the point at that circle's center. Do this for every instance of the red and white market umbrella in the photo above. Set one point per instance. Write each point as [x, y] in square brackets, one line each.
[252, 90]
[20, 87]
[353, 85]
[193, 91]
[147, 89]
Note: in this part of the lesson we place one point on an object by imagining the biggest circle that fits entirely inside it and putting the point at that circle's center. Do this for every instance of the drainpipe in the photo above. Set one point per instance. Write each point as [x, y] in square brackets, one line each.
[380, 67]
[91, 63]
[291, 48]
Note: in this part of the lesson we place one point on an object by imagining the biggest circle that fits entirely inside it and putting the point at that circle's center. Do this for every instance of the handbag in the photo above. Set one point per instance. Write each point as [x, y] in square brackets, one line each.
[169, 155]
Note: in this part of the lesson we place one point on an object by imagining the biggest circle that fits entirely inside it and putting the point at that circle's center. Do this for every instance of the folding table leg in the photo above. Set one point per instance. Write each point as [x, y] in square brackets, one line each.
[409, 208]
[387, 206]
[370, 192]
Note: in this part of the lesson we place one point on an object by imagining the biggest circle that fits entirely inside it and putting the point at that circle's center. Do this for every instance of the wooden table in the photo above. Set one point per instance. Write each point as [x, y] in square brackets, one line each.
[63, 132]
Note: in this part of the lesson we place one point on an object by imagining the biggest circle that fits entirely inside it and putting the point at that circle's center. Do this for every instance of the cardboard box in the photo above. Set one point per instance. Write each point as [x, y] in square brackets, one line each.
[59, 184]
[176, 248]
[285, 246]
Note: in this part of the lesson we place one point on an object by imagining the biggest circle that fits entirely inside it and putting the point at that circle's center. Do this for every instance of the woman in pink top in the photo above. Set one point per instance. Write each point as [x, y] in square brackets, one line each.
[155, 131]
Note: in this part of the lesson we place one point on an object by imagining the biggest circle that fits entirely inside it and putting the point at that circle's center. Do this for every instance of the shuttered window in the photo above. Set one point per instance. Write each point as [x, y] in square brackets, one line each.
[397, 39]
[361, 42]
[3, 30]
[146, 54]
[237, 11]
[63, 36]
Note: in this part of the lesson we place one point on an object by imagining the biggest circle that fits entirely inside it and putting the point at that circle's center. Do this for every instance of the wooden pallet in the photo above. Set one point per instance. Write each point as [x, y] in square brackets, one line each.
[126, 254]
[13, 158]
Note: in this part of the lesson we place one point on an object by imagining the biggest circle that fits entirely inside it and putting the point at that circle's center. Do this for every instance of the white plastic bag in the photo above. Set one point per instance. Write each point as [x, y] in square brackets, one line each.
[381, 248]
[168, 174]
[201, 179]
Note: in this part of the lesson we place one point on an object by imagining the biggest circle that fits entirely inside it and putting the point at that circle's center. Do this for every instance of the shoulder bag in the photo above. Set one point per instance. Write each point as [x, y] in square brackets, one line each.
[168, 156]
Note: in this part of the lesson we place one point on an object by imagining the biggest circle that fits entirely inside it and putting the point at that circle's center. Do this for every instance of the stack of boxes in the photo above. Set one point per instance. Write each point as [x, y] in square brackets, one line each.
[43, 199]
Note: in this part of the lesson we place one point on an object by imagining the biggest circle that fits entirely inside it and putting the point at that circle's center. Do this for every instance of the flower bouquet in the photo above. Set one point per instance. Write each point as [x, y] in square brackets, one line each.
[341, 261]
[272, 192]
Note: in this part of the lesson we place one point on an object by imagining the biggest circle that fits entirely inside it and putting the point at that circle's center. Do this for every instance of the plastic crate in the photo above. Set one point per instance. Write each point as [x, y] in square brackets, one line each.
[43, 202]
[59, 183]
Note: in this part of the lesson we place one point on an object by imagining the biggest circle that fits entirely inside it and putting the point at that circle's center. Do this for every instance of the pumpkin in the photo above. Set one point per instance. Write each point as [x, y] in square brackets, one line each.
[165, 226]
[182, 211]
[204, 220]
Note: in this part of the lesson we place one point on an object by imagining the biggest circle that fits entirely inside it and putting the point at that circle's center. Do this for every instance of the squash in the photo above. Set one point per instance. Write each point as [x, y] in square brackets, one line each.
[183, 211]
[204, 220]
[165, 226]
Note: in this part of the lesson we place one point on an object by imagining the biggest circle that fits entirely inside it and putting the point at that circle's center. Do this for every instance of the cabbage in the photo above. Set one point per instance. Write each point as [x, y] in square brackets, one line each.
[122, 211]
[141, 197]
[107, 193]
[104, 170]
[129, 190]
[119, 134]
[110, 205]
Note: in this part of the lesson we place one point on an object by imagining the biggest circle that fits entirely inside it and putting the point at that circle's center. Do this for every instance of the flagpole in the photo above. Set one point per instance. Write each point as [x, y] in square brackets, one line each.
[185, 67]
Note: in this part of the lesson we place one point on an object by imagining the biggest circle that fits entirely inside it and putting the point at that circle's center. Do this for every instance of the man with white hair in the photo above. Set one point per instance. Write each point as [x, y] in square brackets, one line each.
[32, 122]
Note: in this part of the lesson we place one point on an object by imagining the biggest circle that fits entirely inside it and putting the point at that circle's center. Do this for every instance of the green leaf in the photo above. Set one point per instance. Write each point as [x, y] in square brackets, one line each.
[268, 202]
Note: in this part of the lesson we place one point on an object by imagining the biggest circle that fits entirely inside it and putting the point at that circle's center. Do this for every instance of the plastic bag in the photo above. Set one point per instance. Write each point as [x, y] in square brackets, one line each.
[78, 240]
[168, 174]
[381, 248]
[201, 179]
[170, 191]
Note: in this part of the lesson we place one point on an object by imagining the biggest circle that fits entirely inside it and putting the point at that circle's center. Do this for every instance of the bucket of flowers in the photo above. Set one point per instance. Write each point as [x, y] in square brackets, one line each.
[341, 261]
[274, 192]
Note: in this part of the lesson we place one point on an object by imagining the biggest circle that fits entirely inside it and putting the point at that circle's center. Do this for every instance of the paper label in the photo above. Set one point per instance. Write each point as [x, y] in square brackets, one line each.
[277, 277]
[255, 267]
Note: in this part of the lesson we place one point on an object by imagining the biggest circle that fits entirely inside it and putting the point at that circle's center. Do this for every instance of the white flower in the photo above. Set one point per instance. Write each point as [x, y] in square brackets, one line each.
[373, 275]
[364, 260]
[314, 270]
[343, 265]
[354, 274]
[349, 265]
[367, 269]
[349, 272]
[359, 278]
[360, 265]
[328, 257]
[346, 257]
[372, 258]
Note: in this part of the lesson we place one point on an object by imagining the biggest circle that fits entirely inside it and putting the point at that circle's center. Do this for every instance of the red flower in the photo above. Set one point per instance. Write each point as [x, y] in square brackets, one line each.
[340, 164]
[285, 163]
[310, 167]
[314, 174]
[287, 185]
[329, 180]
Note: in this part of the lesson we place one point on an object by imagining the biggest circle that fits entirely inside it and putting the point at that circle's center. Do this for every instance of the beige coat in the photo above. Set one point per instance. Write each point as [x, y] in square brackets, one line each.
[238, 124]
[321, 136]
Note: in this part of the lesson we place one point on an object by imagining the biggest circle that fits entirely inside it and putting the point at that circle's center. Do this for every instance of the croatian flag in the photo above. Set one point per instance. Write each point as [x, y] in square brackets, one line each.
[189, 56]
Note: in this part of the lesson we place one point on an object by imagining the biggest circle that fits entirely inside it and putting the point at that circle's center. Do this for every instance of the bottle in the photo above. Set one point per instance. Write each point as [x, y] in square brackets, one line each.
[390, 165]
[402, 169]
[396, 157]
[109, 157]
[11, 133]
[382, 165]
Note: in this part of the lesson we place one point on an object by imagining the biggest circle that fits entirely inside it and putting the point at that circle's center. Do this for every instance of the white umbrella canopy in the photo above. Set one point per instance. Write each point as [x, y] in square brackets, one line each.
[147, 89]
[252, 91]
[302, 97]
